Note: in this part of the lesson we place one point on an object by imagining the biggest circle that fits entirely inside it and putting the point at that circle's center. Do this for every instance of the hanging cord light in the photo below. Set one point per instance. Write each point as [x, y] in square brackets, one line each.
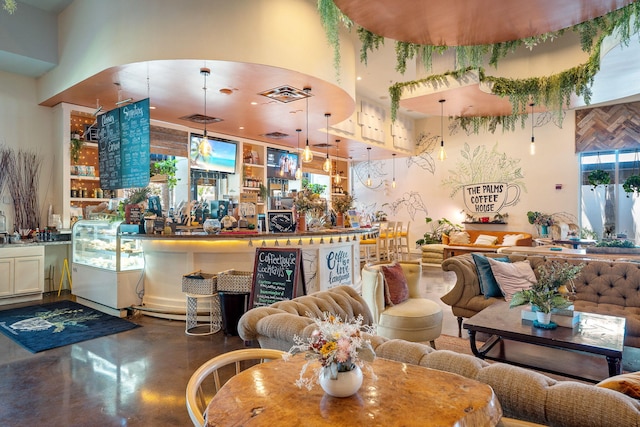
[393, 183]
[337, 179]
[205, 72]
[299, 165]
[326, 166]
[307, 155]
[368, 166]
[532, 147]
[442, 155]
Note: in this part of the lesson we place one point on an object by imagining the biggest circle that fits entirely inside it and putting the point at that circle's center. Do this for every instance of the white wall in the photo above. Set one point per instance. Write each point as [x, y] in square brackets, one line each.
[422, 188]
[26, 126]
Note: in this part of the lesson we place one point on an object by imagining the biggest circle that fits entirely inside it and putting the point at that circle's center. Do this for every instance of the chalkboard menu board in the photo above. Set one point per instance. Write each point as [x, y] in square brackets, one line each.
[277, 276]
[123, 146]
[281, 222]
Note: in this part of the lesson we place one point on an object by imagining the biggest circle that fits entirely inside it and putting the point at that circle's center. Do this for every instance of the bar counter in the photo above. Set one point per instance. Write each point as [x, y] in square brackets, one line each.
[169, 257]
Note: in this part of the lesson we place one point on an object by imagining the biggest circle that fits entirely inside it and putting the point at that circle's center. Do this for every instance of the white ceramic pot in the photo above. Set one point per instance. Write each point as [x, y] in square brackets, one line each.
[543, 318]
[347, 384]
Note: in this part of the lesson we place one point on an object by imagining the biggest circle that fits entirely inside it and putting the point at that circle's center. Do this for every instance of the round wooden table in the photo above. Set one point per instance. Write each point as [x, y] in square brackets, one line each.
[397, 394]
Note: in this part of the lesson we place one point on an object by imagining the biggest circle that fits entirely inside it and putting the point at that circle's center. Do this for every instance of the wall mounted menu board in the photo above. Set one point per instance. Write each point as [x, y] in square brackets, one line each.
[277, 276]
[123, 146]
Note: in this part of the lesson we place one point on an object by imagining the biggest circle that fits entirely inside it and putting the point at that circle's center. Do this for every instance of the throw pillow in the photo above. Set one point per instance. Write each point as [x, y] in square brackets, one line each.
[486, 240]
[628, 384]
[512, 277]
[511, 239]
[459, 238]
[488, 285]
[396, 289]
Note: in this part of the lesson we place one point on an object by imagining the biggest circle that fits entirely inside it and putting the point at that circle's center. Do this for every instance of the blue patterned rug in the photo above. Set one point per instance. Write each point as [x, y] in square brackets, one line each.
[43, 327]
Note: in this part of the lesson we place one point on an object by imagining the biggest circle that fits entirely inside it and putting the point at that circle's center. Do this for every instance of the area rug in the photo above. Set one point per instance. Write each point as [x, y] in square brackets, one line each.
[43, 327]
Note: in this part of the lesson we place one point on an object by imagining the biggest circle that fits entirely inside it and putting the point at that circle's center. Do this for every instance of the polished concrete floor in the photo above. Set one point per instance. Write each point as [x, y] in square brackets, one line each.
[134, 378]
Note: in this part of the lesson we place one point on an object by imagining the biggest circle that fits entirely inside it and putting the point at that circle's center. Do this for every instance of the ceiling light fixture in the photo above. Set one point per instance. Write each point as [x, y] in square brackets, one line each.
[442, 155]
[307, 155]
[337, 179]
[532, 147]
[393, 183]
[299, 165]
[205, 73]
[326, 166]
[368, 166]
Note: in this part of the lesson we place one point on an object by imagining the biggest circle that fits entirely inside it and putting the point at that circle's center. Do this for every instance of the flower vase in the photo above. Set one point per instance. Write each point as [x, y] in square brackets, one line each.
[339, 219]
[543, 318]
[544, 231]
[302, 222]
[346, 384]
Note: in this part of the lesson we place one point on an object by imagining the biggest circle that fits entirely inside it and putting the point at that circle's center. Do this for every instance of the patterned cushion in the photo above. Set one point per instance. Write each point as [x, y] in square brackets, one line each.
[485, 239]
[396, 289]
[459, 238]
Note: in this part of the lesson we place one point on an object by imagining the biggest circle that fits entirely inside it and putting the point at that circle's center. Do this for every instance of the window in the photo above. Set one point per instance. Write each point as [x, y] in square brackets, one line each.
[608, 210]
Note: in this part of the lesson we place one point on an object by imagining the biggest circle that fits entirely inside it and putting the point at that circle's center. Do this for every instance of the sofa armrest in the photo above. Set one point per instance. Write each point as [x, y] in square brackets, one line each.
[373, 291]
[525, 241]
[467, 285]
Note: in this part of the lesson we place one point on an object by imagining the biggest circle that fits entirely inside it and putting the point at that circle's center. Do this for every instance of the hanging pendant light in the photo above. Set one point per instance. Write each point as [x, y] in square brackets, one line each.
[326, 166]
[368, 166]
[307, 155]
[393, 183]
[337, 179]
[205, 73]
[532, 147]
[299, 165]
[442, 155]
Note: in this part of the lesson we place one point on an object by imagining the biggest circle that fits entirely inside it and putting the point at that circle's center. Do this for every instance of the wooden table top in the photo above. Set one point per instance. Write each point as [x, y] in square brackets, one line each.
[398, 394]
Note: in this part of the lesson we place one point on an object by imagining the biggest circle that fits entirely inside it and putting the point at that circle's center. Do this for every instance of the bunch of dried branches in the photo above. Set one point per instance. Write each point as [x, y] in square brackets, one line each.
[23, 175]
[5, 153]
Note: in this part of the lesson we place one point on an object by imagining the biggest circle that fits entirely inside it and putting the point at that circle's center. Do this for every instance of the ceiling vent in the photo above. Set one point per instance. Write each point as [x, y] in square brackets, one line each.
[323, 145]
[201, 119]
[285, 94]
[275, 135]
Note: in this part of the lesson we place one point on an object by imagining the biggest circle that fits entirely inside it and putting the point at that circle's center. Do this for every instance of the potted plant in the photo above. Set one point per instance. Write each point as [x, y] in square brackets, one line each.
[540, 220]
[555, 282]
[75, 148]
[632, 185]
[167, 168]
[341, 205]
[438, 228]
[306, 202]
[598, 177]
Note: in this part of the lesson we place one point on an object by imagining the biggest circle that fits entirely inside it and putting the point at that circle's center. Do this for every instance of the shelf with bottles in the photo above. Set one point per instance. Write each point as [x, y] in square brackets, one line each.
[253, 155]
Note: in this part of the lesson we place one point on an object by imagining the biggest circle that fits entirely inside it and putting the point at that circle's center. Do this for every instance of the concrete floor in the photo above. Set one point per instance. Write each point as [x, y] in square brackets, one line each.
[134, 378]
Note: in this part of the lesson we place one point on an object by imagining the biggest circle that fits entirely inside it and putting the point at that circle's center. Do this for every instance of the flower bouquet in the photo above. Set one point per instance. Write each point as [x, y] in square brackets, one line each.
[338, 345]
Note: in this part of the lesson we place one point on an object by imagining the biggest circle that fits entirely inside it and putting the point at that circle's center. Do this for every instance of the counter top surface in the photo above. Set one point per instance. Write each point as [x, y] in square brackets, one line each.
[201, 235]
[32, 243]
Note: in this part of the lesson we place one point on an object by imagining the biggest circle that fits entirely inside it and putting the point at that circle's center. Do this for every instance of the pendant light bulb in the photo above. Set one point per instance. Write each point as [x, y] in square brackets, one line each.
[307, 155]
[326, 166]
[442, 155]
[205, 73]
[393, 183]
[368, 166]
[298, 173]
[337, 179]
[532, 146]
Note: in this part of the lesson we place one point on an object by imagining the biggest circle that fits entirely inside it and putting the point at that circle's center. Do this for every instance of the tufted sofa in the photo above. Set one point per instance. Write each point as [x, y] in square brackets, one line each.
[603, 287]
[525, 396]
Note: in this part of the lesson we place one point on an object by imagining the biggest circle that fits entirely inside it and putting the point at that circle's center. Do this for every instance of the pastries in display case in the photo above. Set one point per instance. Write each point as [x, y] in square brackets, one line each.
[99, 243]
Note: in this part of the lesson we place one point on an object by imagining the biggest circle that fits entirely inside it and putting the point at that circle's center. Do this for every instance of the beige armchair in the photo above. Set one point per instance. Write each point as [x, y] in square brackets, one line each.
[416, 319]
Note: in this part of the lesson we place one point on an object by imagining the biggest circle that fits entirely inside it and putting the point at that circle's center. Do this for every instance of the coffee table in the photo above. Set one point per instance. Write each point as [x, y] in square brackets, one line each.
[572, 352]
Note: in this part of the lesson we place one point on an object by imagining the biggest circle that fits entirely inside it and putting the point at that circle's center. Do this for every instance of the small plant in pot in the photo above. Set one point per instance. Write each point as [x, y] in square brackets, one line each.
[555, 283]
[598, 177]
[632, 185]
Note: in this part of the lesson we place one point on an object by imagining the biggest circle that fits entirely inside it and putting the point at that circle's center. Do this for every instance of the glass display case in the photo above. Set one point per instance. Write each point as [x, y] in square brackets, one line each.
[107, 267]
[98, 243]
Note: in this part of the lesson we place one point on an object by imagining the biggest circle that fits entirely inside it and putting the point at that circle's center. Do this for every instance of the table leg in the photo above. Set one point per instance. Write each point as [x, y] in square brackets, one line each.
[482, 351]
[615, 365]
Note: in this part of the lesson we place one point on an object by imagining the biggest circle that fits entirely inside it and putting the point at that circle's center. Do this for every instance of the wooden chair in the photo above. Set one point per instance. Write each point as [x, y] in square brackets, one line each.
[197, 398]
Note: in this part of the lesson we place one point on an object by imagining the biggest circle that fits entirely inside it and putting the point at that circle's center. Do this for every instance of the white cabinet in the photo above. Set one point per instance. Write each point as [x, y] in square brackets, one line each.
[21, 273]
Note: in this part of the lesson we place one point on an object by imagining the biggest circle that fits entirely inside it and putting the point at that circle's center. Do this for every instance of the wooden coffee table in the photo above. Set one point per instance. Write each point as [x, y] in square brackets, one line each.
[572, 352]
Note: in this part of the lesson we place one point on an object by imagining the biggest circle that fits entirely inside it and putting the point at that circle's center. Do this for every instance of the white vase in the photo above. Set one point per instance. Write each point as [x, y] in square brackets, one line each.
[543, 318]
[347, 384]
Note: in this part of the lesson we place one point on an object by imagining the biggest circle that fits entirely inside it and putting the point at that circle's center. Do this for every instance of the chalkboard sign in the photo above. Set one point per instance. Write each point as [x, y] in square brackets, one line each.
[123, 146]
[277, 276]
[133, 214]
[281, 222]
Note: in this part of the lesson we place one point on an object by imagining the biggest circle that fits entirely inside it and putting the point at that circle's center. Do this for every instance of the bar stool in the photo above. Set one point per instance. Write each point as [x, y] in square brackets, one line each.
[403, 242]
[214, 323]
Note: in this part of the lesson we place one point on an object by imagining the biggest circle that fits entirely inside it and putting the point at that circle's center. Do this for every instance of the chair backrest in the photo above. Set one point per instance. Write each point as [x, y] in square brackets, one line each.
[373, 284]
[198, 397]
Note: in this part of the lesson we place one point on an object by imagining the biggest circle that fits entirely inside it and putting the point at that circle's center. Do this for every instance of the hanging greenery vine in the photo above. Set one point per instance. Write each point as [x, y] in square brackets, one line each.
[553, 91]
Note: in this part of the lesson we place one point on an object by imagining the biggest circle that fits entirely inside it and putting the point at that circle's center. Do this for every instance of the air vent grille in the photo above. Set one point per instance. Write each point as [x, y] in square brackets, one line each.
[285, 94]
[275, 135]
[201, 119]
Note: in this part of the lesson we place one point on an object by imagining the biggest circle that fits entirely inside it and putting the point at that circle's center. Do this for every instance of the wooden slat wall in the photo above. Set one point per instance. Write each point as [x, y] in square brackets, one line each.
[614, 127]
[170, 142]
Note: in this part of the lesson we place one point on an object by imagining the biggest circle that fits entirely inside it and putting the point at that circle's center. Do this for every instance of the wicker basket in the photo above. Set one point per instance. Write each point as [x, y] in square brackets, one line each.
[205, 286]
[235, 281]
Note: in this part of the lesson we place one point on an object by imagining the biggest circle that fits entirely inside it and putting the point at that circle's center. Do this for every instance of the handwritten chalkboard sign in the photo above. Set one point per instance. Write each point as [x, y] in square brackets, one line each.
[281, 222]
[277, 276]
[123, 146]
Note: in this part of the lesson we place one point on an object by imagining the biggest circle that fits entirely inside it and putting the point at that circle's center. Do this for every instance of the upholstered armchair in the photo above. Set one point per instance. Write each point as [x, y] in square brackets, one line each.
[415, 319]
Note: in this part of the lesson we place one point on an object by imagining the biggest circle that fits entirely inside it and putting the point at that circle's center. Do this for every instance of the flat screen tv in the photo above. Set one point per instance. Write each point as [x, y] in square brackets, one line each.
[281, 164]
[213, 154]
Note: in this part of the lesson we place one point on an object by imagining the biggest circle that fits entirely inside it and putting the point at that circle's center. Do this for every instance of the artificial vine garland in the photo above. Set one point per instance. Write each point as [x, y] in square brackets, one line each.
[553, 91]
